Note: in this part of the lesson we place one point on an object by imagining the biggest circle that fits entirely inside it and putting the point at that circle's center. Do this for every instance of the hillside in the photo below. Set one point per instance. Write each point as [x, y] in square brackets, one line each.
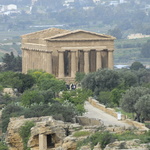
[128, 51]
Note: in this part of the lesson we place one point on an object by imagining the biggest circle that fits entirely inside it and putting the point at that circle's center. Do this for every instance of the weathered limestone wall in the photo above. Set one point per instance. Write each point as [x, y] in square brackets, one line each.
[112, 112]
[136, 124]
[85, 121]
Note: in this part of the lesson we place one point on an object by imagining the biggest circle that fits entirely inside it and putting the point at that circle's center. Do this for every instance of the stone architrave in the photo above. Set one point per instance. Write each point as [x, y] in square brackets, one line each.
[42, 142]
[86, 61]
[73, 63]
[110, 59]
[61, 64]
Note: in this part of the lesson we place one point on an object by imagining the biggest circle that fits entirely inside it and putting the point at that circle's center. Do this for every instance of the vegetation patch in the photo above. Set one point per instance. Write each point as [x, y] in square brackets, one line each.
[103, 138]
[3, 146]
[81, 133]
[130, 135]
[25, 133]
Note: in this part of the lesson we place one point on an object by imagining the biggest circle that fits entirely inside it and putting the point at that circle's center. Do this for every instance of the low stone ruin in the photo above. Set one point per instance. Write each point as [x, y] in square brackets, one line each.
[51, 134]
[48, 133]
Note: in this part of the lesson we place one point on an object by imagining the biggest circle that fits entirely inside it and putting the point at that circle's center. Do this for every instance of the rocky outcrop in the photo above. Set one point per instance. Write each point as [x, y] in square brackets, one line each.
[47, 133]
[131, 145]
[10, 91]
[51, 134]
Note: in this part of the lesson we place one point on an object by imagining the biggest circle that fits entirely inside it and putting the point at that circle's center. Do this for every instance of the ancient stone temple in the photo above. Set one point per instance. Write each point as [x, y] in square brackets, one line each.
[63, 52]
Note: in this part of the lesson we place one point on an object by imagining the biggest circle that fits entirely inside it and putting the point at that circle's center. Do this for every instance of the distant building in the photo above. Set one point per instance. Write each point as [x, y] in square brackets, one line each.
[114, 3]
[137, 36]
[96, 1]
[88, 8]
[11, 7]
[122, 1]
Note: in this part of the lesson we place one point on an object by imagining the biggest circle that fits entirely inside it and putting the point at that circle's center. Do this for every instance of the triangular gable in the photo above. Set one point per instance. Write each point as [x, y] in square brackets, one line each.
[47, 33]
[79, 35]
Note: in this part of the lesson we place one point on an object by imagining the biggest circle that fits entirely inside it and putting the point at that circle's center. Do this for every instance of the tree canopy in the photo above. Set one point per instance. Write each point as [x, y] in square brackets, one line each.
[136, 66]
[132, 99]
[145, 51]
[12, 63]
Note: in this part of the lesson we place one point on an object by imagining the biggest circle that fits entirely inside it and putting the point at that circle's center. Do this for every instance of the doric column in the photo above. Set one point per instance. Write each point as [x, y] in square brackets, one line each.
[42, 142]
[73, 63]
[61, 64]
[98, 59]
[110, 59]
[86, 61]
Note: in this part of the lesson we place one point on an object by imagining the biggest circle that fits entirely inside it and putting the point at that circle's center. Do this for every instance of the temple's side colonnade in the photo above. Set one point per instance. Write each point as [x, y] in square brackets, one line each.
[70, 60]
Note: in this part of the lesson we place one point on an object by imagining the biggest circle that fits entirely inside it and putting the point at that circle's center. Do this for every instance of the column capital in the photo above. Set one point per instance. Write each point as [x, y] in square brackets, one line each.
[99, 50]
[61, 51]
[73, 51]
[48, 51]
[110, 50]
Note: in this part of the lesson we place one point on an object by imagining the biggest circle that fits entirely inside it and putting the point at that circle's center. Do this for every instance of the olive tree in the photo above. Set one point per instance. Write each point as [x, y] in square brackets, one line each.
[136, 66]
[143, 107]
[102, 80]
[131, 98]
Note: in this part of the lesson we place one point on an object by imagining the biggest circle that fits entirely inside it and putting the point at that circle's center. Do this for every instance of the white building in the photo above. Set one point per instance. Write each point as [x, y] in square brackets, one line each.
[11, 7]
[96, 1]
[114, 3]
[137, 36]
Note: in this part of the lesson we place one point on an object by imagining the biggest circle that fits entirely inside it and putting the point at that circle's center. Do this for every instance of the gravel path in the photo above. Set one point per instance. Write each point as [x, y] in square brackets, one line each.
[108, 120]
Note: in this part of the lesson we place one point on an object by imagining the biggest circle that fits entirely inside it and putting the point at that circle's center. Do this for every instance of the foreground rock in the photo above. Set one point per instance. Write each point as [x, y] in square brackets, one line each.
[47, 133]
[51, 134]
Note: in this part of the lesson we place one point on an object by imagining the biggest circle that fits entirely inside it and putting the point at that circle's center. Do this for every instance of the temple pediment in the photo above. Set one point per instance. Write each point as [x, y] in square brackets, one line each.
[80, 35]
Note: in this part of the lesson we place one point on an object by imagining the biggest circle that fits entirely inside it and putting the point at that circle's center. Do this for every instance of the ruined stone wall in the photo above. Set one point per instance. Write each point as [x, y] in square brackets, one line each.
[112, 112]
[85, 121]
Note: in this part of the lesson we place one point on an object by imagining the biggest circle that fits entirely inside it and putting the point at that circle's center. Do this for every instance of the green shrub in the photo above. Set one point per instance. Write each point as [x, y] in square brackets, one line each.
[105, 98]
[25, 132]
[8, 112]
[31, 97]
[81, 133]
[3, 146]
[57, 110]
[79, 76]
[130, 135]
[103, 138]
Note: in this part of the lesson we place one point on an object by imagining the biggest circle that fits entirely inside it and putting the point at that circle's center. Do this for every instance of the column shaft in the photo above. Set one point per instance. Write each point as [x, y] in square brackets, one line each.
[86, 61]
[61, 64]
[73, 63]
[42, 142]
[98, 59]
[110, 59]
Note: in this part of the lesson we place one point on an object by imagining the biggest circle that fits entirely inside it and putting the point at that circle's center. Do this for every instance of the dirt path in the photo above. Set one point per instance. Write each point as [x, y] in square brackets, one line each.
[107, 119]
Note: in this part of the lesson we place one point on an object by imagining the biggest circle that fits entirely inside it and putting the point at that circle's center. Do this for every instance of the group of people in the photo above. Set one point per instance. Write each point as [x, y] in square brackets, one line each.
[71, 86]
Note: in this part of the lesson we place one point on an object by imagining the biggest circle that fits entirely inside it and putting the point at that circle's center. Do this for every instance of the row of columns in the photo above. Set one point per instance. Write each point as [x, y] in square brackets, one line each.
[45, 61]
[86, 61]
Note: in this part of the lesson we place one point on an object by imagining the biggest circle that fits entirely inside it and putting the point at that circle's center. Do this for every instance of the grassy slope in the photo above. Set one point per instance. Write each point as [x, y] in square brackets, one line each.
[128, 51]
